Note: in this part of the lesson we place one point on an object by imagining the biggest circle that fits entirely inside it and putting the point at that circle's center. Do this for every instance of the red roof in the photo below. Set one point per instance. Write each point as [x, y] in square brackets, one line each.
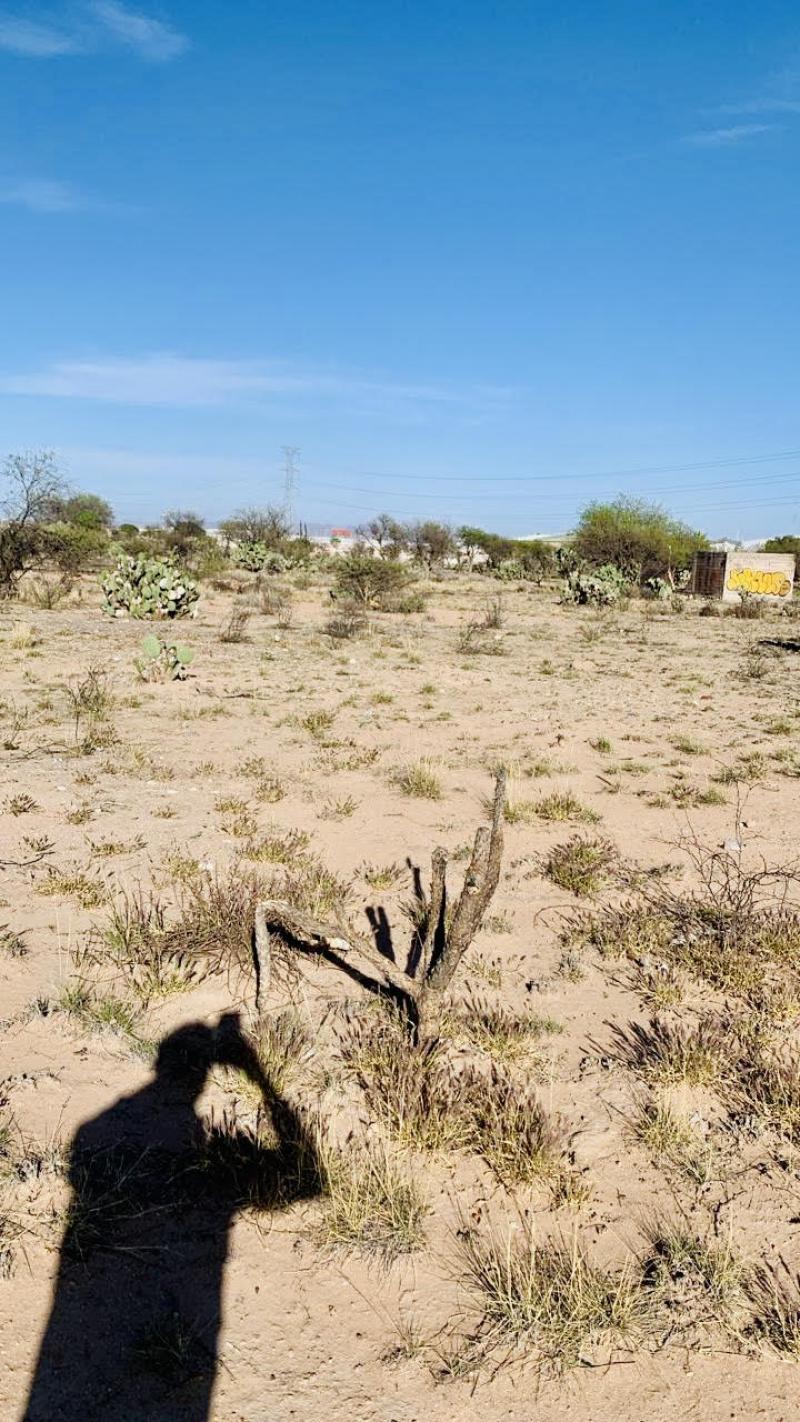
[341, 533]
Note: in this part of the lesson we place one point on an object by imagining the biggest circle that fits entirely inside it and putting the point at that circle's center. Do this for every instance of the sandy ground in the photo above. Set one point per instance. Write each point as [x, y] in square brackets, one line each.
[308, 1331]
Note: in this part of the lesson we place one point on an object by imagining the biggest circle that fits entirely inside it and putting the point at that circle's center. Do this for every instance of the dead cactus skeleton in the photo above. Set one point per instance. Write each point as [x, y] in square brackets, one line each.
[443, 939]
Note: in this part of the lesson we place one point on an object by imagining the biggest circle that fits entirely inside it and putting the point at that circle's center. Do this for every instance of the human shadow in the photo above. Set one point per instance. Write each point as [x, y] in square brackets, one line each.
[135, 1321]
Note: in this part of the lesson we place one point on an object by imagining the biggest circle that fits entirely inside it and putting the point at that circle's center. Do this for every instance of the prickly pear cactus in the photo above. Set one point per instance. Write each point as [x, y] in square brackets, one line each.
[179, 659]
[598, 587]
[257, 558]
[163, 661]
[148, 587]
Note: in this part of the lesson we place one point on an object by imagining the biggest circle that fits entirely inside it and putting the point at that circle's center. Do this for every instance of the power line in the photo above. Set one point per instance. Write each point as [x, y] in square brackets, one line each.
[598, 474]
[367, 509]
[488, 493]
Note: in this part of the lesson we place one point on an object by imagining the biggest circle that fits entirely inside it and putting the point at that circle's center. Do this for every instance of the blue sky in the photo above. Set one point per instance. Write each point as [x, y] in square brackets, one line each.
[478, 262]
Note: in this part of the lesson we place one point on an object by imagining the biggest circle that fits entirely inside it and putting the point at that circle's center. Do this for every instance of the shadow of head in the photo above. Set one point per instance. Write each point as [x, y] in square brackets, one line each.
[187, 1055]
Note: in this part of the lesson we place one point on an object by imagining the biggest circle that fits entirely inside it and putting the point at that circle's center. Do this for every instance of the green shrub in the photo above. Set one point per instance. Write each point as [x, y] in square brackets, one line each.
[381, 583]
[74, 547]
[511, 559]
[148, 587]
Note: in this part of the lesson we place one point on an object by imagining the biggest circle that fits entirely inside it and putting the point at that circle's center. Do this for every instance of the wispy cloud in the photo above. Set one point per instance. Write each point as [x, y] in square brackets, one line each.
[43, 195]
[764, 105]
[151, 39]
[34, 40]
[779, 93]
[93, 25]
[727, 137]
[49, 196]
[184, 381]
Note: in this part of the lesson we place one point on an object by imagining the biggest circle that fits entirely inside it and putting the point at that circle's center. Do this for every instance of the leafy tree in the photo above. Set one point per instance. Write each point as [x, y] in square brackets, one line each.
[510, 557]
[493, 545]
[32, 484]
[787, 543]
[81, 510]
[639, 538]
[430, 542]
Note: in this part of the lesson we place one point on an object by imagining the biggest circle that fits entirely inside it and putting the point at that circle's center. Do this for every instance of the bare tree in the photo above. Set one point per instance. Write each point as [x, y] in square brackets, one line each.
[388, 536]
[437, 947]
[257, 525]
[33, 485]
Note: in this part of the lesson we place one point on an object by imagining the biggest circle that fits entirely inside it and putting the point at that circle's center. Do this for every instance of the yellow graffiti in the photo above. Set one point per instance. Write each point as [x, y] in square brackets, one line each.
[753, 580]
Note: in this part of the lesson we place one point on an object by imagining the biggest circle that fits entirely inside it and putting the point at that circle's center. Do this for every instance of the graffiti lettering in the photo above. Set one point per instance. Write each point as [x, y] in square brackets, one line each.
[753, 580]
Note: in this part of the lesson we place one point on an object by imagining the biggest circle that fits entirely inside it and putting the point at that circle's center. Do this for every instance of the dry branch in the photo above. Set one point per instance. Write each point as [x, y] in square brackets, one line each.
[442, 948]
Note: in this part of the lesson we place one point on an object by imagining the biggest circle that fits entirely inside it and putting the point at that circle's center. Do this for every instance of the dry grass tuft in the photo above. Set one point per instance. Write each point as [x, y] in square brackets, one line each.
[503, 1034]
[550, 1297]
[411, 1088]
[372, 1205]
[172, 1349]
[382, 876]
[12, 943]
[509, 1127]
[313, 888]
[774, 1293]
[283, 1045]
[767, 1086]
[668, 1052]
[87, 891]
[166, 947]
[22, 636]
[422, 1101]
[692, 1276]
[97, 1011]
[562, 805]
[276, 846]
[420, 780]
[669, 1137]
[264, 1163]
[580, 865]
[739, 931]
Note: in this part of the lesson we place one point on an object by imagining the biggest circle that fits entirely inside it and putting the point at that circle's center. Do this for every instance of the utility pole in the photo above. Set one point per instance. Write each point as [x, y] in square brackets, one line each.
[290, 457]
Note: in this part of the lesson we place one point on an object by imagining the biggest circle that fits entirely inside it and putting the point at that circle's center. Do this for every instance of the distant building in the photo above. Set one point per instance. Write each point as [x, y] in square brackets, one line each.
[732, 545]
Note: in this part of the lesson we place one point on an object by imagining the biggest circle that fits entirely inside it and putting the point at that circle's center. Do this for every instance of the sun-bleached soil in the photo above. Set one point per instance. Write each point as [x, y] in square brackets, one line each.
[666, 727]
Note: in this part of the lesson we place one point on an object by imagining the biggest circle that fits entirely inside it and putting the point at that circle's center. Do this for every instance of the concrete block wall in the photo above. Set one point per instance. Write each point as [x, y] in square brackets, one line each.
[767, 576]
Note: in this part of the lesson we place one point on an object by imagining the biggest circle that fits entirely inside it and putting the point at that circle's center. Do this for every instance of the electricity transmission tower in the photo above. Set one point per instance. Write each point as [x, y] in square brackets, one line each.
[290, 457]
